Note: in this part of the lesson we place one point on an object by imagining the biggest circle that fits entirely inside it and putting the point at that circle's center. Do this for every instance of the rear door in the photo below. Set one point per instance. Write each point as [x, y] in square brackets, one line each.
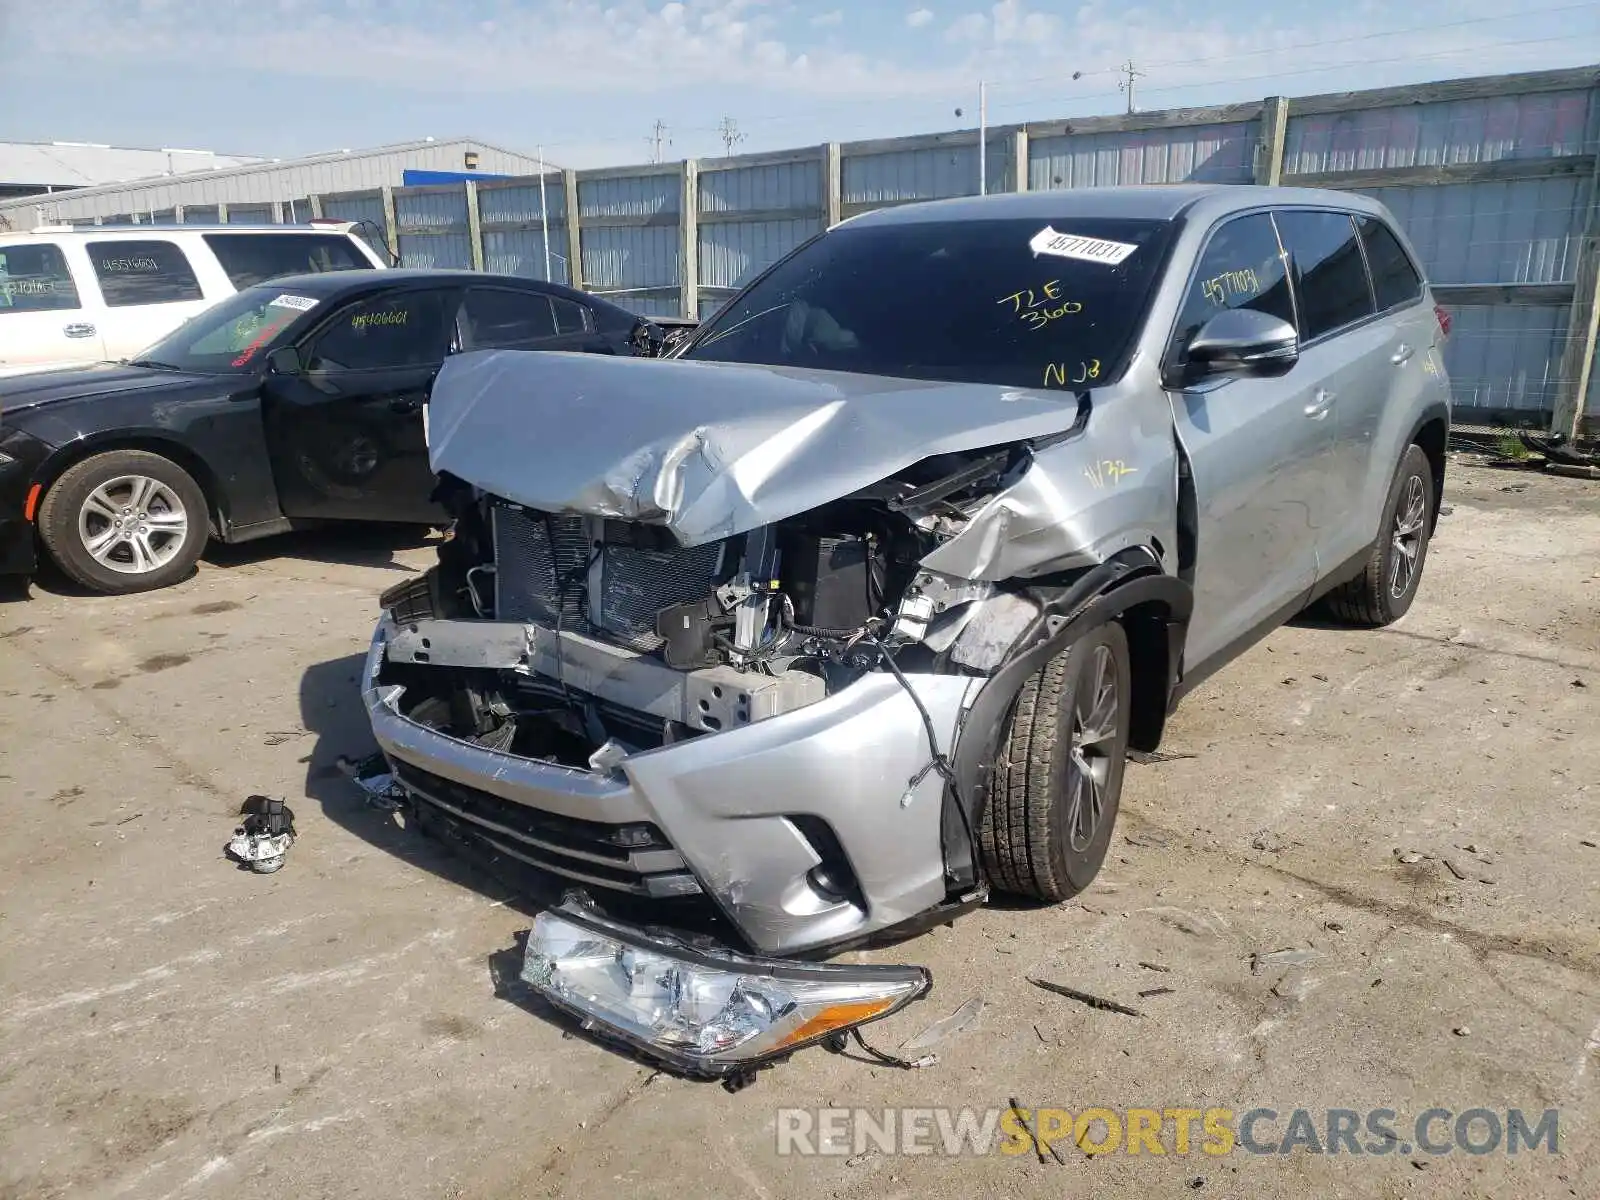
[503, 318]
[346, 434]
[1343, 349]
[1257, 453]
[149, 286]
[46, 319]
[1406, 376]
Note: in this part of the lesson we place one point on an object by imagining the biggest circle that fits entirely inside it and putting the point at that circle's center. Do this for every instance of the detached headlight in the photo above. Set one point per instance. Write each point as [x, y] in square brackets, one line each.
[707, 1012]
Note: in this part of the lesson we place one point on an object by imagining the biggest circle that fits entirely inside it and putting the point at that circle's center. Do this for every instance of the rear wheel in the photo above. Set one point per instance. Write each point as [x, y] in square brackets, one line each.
[1384, 590]
[1057, 786]
[125, 521]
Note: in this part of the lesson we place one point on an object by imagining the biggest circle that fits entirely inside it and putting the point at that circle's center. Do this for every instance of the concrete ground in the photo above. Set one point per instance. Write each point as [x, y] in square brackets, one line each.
[173, 1026]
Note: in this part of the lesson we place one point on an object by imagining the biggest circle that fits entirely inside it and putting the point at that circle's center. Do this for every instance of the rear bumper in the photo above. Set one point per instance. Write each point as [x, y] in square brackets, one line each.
[742, 816]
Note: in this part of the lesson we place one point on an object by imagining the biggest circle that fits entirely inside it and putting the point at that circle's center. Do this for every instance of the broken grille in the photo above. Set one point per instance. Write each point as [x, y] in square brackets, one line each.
[556, 567]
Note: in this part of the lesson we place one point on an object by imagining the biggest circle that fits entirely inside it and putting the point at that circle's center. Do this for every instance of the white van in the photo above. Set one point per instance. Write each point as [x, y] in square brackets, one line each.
[71, 295]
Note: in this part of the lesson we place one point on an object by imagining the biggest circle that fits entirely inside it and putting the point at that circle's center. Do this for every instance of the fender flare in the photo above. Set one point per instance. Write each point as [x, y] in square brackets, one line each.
[1103, 593]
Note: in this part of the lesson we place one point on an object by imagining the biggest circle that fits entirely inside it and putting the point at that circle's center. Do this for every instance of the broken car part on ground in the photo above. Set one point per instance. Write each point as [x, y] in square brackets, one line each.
[808, 634]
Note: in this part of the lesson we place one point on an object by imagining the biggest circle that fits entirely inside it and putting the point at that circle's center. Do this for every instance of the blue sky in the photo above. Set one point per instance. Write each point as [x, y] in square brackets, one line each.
[588, 78]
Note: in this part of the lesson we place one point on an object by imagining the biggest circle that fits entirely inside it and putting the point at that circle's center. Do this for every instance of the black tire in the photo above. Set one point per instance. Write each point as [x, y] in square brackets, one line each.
[1028, 841]
[1373, 599]
[82, 507]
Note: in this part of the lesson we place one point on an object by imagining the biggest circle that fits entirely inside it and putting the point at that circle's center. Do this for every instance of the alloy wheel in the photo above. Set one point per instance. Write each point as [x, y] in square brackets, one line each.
[1094, 733]
[133, 524]
[1410, 520]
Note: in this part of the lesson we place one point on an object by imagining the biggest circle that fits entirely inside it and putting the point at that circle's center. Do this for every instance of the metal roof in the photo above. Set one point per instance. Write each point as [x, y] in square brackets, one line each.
[80, 164]
[246, 170]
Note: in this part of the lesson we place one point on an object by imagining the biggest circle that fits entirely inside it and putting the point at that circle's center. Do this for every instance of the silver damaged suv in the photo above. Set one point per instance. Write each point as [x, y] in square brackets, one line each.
[852, 609]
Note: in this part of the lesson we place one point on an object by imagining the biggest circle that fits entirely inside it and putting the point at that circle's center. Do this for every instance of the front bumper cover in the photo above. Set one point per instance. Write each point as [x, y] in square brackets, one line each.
[742, 807]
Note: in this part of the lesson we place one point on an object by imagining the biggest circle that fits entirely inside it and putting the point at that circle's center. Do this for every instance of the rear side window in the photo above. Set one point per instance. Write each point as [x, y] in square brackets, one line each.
[569, 316]
[384, 332]
[143, 273]
[504, 318]
[1242, 267]
[252, 258]
[35, 279]
[1330, 277]
[1394, 276]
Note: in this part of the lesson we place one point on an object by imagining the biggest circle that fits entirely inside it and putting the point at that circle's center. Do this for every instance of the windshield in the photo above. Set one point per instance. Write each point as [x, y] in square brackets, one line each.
[1016, 303]
[232, 337]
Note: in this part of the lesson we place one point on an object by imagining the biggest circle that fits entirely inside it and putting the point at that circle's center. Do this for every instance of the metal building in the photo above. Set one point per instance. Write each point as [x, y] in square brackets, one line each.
[260, 191]
[38, 168]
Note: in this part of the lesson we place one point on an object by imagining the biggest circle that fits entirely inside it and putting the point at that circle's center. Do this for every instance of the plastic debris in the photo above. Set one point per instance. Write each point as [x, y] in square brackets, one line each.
[1265, 960]
[943, 1028]
[372, 776]
[262, 840]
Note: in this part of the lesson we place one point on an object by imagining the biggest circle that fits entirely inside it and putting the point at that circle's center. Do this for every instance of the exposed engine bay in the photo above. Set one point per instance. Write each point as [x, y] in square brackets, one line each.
[653, 643]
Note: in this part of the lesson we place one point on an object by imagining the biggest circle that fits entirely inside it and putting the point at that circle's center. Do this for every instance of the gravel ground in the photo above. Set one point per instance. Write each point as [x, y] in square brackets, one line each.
[1418, 807]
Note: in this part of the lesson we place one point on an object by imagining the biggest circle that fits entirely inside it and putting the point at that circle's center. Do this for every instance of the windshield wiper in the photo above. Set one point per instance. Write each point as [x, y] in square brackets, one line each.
[153, 364]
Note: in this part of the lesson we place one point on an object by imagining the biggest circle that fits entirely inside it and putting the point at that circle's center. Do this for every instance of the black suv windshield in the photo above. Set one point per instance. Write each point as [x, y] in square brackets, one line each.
[1018, 303]
[232, 337]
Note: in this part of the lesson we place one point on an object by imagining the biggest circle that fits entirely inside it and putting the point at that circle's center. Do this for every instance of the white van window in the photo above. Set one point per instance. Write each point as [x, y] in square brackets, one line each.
[143, 273]
[35, 278]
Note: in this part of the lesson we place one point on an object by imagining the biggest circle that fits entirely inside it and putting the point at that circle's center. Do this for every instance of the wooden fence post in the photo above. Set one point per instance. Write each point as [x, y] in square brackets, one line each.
[569, 188]
[474, 226]
[1269, 150]
[689, 240]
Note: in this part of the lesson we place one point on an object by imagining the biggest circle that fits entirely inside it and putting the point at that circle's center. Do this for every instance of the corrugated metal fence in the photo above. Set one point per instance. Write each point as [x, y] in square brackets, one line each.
[1494, 178]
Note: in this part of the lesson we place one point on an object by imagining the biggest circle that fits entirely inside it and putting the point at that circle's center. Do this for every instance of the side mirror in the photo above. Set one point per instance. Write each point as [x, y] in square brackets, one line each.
[1242, 341]
[285, 360]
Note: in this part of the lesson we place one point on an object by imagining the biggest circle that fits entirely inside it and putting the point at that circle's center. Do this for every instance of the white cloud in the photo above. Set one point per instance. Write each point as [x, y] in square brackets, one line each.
[919, 17]
[552, 54]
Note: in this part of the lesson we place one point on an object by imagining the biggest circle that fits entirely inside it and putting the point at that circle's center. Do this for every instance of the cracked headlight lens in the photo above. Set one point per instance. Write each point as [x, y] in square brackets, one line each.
[704, 1010]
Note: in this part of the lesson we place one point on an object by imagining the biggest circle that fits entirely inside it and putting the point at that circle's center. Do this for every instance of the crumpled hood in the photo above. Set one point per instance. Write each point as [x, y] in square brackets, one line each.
[706, 449]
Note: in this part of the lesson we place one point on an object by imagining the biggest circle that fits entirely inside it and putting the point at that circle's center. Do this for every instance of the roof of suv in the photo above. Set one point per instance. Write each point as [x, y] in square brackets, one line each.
[152, 230]
[1155, 202]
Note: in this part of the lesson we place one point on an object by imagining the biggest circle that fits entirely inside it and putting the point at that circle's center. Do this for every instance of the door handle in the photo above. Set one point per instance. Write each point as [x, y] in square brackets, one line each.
[1320, 403]
[78, 329]
[404, 407]
[1401, 354]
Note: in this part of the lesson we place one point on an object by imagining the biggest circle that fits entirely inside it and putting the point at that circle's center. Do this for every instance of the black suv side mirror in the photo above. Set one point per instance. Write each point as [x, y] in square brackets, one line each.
[1242, 341]
[285, 360]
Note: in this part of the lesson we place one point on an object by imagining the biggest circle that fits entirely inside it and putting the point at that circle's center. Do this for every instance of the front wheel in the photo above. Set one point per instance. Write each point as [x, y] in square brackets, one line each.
[125, 521]
[1058, 783]
[1384, 590]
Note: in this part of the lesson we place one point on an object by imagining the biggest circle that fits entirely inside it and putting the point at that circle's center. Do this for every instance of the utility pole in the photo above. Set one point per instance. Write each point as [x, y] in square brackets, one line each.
[1126, 84]
[658, 134]
[983, 138]
[729, 130]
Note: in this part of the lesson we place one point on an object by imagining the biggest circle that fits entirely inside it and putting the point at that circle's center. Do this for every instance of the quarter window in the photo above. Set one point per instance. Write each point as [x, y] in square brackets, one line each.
[1242, 267]
[1330, 277]
[385, 332]
[143, 272]
[1394, 277]
[35, 278]
[569, 316]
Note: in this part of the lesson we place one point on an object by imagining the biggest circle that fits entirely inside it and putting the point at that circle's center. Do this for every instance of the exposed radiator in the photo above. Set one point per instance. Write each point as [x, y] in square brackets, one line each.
[547, 567]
